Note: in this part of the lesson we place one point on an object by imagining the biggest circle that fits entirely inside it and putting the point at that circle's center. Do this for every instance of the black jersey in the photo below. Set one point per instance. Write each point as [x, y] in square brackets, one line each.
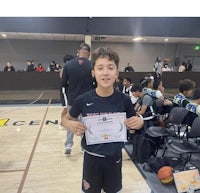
[76, 78]
[90, 104]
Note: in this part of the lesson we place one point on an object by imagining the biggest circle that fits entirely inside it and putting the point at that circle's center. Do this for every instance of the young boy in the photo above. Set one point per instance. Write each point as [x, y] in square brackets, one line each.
[102, 161]
[186, 87]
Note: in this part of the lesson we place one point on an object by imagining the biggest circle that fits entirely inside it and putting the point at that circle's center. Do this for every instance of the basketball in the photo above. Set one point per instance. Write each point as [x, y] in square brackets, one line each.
[165, 175]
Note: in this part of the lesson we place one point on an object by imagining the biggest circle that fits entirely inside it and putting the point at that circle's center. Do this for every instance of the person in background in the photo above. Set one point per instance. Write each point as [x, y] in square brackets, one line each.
[39, 68]
[102, 162]
[185, 87]
[30, 66]
[194, 104]
[128, 68]
[144, 107]
[63, 90]
[147, 84]
[9, 68]
[165, 67]
[181, 68]
[188, 66]
[76, 79]
[158, 67]
[159, 92]
[52, 66]
[164, 104]
[118, 85]
[57, 68]
[126, 89]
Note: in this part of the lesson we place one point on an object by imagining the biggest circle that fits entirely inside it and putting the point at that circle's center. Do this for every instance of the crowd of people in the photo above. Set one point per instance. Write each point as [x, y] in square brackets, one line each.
[159, 66]
[31, 67]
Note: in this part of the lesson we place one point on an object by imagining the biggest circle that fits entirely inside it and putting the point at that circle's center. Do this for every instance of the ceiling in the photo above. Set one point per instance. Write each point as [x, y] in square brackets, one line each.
[102, 38]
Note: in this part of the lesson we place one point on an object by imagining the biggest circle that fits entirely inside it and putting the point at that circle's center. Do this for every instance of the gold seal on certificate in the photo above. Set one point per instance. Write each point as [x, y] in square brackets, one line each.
[105, 128]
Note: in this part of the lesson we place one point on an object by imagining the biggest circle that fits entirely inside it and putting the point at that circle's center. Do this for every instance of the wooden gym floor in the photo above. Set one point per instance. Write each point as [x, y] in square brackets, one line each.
[32, 158]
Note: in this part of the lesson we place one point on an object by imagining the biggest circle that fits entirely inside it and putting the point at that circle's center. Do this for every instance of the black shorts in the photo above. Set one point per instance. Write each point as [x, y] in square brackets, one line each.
[102, 173]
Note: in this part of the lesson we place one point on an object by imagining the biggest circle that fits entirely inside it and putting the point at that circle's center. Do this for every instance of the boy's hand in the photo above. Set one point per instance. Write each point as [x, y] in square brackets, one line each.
[134, 123]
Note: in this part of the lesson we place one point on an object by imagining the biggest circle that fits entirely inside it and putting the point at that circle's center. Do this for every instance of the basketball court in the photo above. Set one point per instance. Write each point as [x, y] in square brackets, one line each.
[32, 158]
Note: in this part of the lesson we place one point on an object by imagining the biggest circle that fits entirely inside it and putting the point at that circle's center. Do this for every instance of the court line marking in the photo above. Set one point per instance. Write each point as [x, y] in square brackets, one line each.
[21, 185]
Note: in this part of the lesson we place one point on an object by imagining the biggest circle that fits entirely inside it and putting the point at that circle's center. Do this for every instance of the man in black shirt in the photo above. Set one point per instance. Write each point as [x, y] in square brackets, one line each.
[76, 79]
[188, 66]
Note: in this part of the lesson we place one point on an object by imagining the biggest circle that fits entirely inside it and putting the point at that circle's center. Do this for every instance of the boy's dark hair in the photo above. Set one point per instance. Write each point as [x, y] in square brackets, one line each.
[186, 85]
[128, 79]
[156, 84]
[104, 52]
[145, 81]
[196, 94]
[136, 87]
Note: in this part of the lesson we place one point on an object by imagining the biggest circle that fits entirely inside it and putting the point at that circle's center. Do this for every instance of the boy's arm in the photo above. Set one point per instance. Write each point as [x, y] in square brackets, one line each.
[134, 123]
[75, 126]
[142, 110]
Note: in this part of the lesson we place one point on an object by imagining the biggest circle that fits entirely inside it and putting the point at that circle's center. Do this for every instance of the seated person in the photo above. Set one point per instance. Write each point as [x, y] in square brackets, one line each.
[126, 89]
[147, 84]
[9, 68]
[186, 87]
[57, 68]
[30, 66]
[194, 104]
[118, 85]
[162, 102]
[52, 66]
[145, 104]
[39, 68]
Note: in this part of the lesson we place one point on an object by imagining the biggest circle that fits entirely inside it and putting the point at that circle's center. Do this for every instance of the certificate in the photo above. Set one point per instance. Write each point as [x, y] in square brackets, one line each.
[105, 128]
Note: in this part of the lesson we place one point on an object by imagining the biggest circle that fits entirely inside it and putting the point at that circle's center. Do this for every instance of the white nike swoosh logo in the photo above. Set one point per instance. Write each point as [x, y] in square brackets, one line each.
[118, 161]
[89, 104]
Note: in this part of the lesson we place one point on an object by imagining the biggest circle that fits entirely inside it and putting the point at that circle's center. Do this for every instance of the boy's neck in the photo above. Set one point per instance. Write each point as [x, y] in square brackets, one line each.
[104, 92]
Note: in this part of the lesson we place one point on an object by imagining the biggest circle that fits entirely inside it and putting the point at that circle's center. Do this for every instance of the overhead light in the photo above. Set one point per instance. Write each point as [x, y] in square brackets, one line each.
[138, 39]
[166, 40]
[4, 35]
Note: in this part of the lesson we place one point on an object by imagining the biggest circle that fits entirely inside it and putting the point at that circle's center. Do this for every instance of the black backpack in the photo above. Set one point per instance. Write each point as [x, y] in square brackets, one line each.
[143, 148]
[155, 163]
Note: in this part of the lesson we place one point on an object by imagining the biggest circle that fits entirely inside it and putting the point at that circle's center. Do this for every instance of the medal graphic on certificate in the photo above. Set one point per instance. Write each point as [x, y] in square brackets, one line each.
[105, 128]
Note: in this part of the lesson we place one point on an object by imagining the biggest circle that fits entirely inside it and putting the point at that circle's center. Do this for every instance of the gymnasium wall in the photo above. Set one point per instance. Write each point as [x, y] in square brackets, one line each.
[51, 80]
[140, 55]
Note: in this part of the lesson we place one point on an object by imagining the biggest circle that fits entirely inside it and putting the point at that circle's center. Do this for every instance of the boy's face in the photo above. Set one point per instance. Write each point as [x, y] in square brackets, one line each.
[126, 83]
[106, 72]
[136, 94]
[187, 93]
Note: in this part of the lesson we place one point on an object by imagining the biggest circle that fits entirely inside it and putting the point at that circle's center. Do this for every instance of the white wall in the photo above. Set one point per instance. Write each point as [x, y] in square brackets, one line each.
[141, 55]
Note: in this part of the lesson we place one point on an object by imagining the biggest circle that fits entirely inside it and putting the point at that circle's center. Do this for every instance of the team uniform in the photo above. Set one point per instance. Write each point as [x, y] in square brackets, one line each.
[76, 79]
[192, 108]
[102, 162]
[180, 100]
